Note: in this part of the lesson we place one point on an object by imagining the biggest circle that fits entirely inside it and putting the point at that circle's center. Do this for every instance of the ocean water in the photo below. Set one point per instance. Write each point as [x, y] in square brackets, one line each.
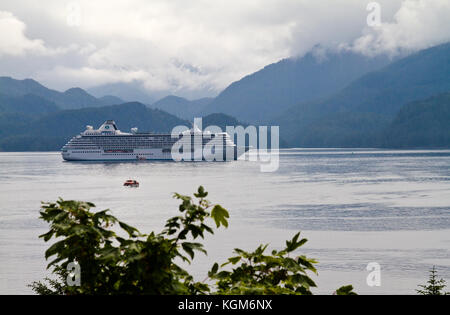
[354, 206]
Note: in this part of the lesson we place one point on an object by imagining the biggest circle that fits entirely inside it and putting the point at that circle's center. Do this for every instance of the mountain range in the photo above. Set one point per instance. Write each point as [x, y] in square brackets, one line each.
[263, 95]
[127, 91]
[182, 107]
[71, 99]
[324, 99]
[358, 114]
[52, 131]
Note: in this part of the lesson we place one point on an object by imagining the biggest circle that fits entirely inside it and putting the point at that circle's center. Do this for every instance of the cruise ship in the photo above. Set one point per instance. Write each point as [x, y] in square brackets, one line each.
[108, 143]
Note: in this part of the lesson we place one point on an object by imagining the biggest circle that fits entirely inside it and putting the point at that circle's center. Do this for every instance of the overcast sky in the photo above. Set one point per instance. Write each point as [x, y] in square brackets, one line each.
[197, 45]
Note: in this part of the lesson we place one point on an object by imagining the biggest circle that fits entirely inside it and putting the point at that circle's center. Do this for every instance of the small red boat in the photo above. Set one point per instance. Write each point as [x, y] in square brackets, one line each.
[131, 183]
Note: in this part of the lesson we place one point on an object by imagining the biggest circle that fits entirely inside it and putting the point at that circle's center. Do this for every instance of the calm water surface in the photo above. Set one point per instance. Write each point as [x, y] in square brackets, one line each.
[355, 207]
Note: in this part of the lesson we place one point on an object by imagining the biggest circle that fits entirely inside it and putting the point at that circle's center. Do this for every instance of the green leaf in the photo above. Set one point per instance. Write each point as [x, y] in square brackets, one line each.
[345, 290]
[47, 235]
[188, 249]
[201, 193]
[234, 260]
[55, 249]
[109, 254]
[220, 215]
[214, 270]
[129, 229]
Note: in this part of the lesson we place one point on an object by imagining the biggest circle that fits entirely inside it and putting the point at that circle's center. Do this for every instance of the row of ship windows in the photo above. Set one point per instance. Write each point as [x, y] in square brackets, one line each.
[130, 148]
[153, 138]
[123, 144]
[125, 154]
[128, 144]
[136, 154]
[163, 151]
[134, 146]
[144, 141]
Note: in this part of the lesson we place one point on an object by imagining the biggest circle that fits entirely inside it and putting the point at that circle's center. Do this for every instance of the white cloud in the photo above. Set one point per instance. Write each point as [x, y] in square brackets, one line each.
[200, 45]
[14, 41]
[418, 24]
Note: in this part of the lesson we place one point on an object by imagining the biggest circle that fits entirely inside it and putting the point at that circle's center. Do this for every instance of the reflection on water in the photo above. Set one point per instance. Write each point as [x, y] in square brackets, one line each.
[355, 206]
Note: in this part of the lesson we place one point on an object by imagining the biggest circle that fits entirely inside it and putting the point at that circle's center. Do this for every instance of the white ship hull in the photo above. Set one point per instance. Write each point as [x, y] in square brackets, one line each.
[147, 154]
[137, 155]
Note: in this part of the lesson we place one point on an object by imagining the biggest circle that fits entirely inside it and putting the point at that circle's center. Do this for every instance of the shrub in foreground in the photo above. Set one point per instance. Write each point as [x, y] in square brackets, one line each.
[146, 263]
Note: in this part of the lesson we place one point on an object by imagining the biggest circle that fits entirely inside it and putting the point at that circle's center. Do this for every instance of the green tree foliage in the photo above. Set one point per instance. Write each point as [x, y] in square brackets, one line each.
[147, 263]
[422, 123]
[257, 273]
[345, 290]
[434, 285]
